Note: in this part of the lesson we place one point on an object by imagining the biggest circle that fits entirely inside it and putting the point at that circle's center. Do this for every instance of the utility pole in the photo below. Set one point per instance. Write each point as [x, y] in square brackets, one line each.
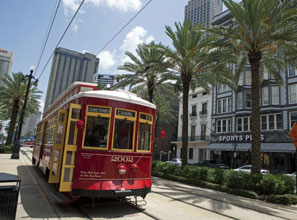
[17, 144]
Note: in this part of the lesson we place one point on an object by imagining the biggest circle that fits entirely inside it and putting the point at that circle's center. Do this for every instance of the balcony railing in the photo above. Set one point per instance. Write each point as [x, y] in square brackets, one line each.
[193, 114]
[201, 113]
[196, 138]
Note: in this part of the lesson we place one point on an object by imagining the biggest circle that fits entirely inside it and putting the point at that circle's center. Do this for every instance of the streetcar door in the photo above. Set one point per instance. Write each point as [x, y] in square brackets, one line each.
[58, 147]
[70, 149]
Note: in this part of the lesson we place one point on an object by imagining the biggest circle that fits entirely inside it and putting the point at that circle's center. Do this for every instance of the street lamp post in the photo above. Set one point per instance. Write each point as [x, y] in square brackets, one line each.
[234, 154]
[17, 144]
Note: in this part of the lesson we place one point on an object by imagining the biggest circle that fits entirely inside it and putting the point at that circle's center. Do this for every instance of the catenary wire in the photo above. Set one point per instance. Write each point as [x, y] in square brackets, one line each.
[61, 38]
[107, 42]
[48, 32]
[124, 26]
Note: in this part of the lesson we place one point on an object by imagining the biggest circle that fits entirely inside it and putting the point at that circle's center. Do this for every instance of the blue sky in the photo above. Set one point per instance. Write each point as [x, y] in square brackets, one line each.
[24, 25]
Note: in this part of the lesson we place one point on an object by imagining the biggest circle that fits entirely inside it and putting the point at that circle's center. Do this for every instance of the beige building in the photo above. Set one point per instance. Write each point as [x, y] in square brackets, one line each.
[6, 58]
[202, 11]
[67, 67]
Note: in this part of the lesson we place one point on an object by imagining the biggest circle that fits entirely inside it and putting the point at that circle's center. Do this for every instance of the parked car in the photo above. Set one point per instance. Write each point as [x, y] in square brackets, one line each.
[211, 164]
[248, 168]
[176, 161]
[291, 174]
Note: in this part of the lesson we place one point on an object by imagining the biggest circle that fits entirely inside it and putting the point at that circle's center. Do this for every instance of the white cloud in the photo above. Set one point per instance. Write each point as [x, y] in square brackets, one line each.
[120, 5]
[75, 28]
[136, 36]
[106, 60]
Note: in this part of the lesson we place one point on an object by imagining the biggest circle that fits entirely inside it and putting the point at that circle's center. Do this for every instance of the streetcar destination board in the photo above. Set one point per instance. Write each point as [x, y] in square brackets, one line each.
[146, 117]
[125, 113]
[99, 110]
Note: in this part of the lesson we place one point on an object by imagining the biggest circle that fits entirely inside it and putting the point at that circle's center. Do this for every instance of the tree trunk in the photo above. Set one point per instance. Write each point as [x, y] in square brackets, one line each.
[184, 151]
[13, 118]
[254, 59]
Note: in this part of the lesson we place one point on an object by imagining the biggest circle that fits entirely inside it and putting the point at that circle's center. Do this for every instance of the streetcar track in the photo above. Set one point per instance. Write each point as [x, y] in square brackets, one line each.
[211, 198]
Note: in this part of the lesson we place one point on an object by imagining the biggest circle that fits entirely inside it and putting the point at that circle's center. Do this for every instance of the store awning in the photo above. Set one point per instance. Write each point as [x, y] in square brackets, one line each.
[265, 147]
[229, 146]
[278, 147]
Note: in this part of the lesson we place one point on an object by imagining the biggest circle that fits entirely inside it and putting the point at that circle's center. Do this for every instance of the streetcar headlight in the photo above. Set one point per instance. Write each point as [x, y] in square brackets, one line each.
[122, 169]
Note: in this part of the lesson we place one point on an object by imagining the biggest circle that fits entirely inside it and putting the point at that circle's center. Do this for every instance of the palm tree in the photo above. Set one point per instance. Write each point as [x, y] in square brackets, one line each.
[148, 67]
[12, 94]
[264, 33]
[193, 60]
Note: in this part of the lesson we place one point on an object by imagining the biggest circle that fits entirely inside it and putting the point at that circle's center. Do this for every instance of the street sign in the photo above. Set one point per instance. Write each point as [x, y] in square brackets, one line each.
[293, 134]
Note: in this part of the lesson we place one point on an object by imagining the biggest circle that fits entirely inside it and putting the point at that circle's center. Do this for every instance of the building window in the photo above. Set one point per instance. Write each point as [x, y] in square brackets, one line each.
[275, 95]
[292, 93]
[248, 99]
[204, 109]
[224, 105]
[248, 77]
[293, 118]
[292, 71]
[191, 153]
[222, 88]
[271, 122]
[243, 124]
[194, 96]
[223, 125]
[203, 132]
[194, 112]
[239, 100]
[193, 128]
[265, 95]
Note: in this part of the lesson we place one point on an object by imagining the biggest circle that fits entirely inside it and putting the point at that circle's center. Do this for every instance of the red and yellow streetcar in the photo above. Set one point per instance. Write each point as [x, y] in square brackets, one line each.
[97, 143]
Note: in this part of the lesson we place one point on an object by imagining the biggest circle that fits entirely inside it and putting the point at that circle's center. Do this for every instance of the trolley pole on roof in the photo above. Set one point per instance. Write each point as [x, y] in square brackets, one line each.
[17, 144]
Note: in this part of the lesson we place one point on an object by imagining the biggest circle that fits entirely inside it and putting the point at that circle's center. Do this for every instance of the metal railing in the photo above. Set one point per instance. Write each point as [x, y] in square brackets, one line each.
[196, 138]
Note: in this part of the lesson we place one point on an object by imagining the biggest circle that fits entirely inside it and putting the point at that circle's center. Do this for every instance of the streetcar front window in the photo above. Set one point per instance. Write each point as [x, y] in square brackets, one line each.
[123, 134]
[96, 132]
[144, 136]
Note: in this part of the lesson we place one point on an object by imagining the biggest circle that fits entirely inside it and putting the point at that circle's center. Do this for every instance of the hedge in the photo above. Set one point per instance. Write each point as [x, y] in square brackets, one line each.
[253, 186]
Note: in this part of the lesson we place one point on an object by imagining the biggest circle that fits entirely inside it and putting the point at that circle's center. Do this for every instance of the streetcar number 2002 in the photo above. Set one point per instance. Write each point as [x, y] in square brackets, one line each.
[121, 159]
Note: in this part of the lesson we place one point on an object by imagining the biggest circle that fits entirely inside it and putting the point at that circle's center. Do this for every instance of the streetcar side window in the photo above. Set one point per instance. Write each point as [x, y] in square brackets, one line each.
[124, 129]
[123, 134]
[96, 132]
[144, 136]
[144, 132]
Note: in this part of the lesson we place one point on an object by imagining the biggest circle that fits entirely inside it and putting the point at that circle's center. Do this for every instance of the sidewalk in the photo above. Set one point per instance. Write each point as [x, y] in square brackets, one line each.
[34, 201]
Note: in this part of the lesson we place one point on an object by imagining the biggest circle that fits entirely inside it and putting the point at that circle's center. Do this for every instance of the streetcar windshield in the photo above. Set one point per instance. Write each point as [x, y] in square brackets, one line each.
[96, 132]
[123, 134]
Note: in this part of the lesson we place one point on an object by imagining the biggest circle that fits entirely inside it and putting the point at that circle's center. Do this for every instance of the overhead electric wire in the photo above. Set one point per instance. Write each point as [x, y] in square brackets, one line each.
[106, 43]
[53, 17]
[61, 38]
[124, 26]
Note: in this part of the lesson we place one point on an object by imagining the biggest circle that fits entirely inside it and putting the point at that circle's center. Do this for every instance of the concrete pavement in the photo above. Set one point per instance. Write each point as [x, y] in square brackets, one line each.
[37, 202]
[35, 199]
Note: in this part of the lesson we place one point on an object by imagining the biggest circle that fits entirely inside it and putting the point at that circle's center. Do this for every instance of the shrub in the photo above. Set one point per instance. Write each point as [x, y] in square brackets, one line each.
[275, 184]
[245, 193]
[233, 179]
[253, 182]
[215, 176]
[6, 148]
[286, 199]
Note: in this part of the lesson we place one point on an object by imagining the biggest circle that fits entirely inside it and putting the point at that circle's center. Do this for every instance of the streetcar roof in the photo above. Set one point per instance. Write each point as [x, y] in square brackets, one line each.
[118, 95]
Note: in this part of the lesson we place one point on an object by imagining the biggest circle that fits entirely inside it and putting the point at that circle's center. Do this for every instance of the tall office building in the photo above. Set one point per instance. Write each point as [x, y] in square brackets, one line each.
[67, 67]
[203, 11]
[6, 58]
[31, 123]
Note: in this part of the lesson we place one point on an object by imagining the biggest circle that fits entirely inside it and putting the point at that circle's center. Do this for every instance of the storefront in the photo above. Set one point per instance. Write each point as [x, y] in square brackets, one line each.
[235, 150]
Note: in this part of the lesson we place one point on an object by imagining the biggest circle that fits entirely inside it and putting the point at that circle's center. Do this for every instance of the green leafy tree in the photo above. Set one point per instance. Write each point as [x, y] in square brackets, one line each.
[264, 34]
[193, 59]
[148, 68]
[12, 94]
